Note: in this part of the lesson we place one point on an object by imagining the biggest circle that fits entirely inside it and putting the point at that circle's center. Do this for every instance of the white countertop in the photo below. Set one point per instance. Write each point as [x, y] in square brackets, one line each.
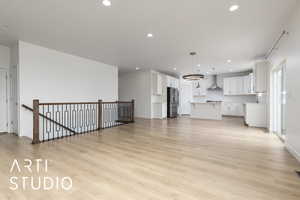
[205, 102]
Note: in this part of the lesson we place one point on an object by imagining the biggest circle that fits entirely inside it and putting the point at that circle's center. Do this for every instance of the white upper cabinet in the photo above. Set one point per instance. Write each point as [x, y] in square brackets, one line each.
[172, 82]
[157, 84]
[232, 86]
[240, 85]
[248, 84]
[261, 71]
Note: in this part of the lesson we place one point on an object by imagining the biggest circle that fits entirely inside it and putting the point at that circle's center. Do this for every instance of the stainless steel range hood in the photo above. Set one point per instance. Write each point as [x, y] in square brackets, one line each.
[214, 86]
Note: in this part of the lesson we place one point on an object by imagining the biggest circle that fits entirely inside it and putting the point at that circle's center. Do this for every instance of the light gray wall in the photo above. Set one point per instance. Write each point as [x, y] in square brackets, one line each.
[53, 76]
[4, 57]
[289, 49]
[137, 85]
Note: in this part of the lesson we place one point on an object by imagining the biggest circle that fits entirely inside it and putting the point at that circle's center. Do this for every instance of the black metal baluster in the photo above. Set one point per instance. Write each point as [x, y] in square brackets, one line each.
[63, 121]
[105, 115]
[69, 118]
[110, 115]
[43, 123]
[72, 117]
[80, 119]
[116, 114]
[52, 117]
[48, 123]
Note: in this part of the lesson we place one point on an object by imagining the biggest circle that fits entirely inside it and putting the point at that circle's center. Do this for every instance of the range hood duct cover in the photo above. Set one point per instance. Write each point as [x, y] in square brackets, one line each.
[214, 86]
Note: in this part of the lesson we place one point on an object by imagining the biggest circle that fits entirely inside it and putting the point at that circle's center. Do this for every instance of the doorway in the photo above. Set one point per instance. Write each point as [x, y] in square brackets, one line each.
[186, 98]
[3, 101]
[278, 100]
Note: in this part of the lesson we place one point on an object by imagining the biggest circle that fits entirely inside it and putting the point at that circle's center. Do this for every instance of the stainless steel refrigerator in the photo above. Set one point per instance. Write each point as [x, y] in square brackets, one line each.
[172, 102]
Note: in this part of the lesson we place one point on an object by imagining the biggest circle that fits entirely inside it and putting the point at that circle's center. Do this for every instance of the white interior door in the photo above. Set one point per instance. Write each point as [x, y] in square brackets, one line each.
[3, 101]
[186, 98]
[278, 98]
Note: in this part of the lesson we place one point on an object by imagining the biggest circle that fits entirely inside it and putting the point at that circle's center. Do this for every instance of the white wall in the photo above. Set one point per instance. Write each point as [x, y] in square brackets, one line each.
[4, 57]
[289, 49]
[53, 76]
[5, 65]
[14, 111]
[137, 85]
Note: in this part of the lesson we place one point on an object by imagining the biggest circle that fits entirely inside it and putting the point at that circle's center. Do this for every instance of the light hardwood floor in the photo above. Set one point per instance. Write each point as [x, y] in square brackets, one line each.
[176, 159]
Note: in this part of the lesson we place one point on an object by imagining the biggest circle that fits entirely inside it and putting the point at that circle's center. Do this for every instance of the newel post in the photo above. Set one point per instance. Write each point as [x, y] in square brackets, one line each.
[99, 114]
[132, 110]
[36, 121]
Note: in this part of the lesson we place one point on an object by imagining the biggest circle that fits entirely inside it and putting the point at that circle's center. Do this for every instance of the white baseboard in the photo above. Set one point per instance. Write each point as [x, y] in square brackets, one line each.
[293, 151]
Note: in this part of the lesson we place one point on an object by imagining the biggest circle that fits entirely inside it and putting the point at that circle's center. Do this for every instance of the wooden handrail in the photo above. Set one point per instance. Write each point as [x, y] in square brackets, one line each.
[68, 103]
[51, 120]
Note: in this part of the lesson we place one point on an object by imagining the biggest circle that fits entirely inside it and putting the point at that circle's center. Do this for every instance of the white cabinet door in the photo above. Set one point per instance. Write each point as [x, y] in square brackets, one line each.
[238, 109]
[229, 86]
[156, 84]
[256, 115]
[246, 85]
[159, 84]
[261, 76]
[225, 108]
[232, 109]
[240, 85]
[226, 86]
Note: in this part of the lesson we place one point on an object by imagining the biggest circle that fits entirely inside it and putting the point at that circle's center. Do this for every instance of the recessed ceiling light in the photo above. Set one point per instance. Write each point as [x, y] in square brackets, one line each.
[137, 68]
[175, 68]
[234, 8]
[149, 35]
[229, 61]
[199, 65]
[106, 3]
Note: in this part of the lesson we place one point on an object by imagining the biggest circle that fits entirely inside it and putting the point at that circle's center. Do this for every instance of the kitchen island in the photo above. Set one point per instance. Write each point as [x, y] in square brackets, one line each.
[206, 110]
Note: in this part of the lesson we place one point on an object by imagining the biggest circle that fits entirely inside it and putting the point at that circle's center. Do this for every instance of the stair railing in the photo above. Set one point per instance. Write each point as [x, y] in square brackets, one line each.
[58, 120]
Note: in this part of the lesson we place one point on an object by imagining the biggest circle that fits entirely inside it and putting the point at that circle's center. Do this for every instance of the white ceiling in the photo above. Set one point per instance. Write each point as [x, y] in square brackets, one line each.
[117, 35]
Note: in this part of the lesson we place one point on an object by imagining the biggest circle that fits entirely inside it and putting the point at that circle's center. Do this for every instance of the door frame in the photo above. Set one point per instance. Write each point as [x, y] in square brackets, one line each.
[281, 66]
[7, 104]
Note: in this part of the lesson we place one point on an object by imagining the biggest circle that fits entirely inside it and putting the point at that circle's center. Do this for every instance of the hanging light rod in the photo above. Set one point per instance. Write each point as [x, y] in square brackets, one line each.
[284, 32]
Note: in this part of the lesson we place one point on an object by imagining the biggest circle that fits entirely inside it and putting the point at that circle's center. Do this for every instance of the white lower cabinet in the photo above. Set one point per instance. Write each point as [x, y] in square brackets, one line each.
[232, 109]
[256, 115]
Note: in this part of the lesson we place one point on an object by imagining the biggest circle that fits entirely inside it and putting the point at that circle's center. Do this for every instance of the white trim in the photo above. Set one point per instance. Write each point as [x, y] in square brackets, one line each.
[7, 97]
[292, 151]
